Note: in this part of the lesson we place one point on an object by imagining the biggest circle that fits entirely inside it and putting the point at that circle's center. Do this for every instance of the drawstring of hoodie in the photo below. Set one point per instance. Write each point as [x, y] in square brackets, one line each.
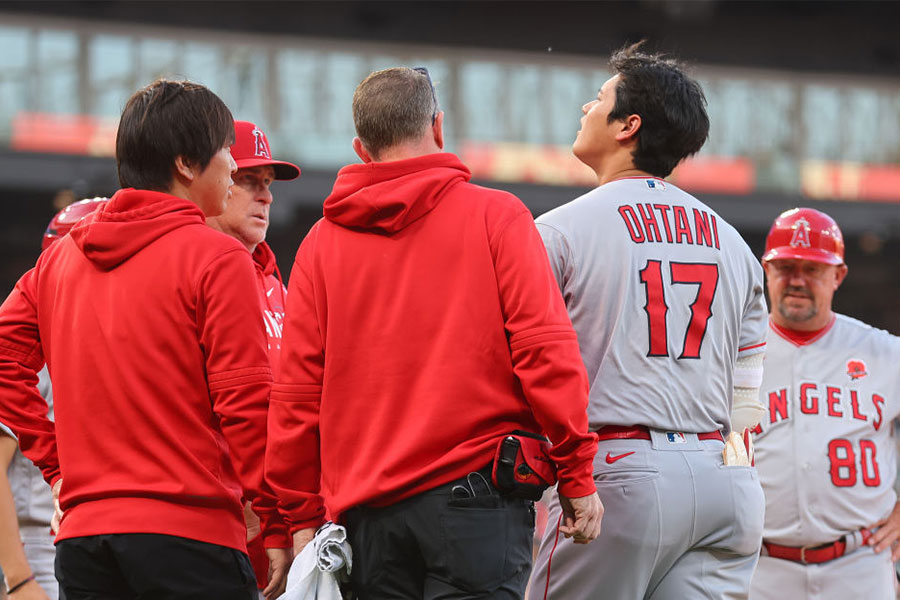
[280, 287]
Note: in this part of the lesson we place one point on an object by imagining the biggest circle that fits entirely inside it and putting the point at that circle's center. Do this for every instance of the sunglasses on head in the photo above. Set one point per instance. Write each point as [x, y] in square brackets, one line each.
[424, 71]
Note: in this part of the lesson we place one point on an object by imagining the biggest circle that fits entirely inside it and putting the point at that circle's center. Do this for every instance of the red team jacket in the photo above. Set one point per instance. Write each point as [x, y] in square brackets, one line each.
[272, 299]
[160, 374]
[423, 324]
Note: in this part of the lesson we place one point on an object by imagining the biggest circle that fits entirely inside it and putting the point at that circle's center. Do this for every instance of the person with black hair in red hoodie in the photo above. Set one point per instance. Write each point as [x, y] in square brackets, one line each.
[246, 219]
[146, 320]
[423, 325]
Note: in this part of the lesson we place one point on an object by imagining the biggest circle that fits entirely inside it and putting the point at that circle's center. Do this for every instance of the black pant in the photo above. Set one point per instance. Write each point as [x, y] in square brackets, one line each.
[148, 566]
[442, 545]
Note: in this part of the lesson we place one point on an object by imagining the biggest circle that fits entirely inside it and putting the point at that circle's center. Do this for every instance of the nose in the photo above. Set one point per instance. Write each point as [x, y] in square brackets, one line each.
[265, 195]
[232, 163]
[795, 276]
[586, 108]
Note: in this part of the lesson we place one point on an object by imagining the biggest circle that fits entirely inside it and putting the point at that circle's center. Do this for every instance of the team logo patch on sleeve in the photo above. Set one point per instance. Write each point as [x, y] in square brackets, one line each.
[856, 369]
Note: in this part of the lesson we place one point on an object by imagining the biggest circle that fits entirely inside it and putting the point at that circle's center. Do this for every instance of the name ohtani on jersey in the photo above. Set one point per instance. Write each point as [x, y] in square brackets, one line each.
[671, 224]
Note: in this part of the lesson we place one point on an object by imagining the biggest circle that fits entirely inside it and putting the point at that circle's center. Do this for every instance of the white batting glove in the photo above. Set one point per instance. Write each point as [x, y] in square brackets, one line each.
[738, 450]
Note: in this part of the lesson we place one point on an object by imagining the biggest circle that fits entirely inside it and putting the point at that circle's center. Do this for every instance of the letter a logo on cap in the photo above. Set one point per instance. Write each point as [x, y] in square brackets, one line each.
[801, 234]
[261, 148]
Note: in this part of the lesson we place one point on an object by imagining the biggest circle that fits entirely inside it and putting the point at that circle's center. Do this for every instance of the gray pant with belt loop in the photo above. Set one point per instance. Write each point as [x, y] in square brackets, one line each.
[678, 524]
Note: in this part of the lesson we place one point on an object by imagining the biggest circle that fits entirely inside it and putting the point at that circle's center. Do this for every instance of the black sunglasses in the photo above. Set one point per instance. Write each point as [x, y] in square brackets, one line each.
[424, 72]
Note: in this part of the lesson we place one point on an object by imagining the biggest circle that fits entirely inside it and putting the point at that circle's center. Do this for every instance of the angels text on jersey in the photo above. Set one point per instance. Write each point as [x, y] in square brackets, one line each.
[850, 462]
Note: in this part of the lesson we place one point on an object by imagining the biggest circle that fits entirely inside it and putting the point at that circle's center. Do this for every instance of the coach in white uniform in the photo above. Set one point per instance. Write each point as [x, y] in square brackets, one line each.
[825, 452]
[667, 301]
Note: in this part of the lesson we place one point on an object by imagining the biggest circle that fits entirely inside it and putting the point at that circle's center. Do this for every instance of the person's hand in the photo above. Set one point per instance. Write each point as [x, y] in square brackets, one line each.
[279, 565]
[29, 591]
[302, 538]
[888, 534]
[57, 511]
[581, 517]
[251, 521]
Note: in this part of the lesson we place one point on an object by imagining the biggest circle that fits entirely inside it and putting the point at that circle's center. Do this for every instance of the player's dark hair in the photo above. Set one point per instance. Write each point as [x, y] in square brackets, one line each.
[165, 120]
[672, 107]
[393, 106]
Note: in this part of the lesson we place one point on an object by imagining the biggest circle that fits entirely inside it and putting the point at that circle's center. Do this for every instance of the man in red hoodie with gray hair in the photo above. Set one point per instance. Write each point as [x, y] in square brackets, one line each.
[246, 219]
[424, 325]
[149, 325]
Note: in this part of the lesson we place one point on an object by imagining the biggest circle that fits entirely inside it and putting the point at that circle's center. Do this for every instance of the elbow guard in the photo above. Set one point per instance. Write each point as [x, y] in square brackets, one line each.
[747, 410]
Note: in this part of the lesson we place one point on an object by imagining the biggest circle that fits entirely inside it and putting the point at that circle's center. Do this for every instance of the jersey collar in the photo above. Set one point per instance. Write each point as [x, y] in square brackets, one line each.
[801, 338]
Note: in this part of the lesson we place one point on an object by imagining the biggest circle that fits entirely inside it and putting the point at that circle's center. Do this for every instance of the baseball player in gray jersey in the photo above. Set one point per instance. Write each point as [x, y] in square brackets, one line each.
[825, 452]
[668, 304]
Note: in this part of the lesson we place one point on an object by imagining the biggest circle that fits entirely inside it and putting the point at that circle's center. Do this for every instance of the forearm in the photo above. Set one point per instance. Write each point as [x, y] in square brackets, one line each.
[556, 388]
[293, 467]
[24, 412]
[242, 415]
[12, 553]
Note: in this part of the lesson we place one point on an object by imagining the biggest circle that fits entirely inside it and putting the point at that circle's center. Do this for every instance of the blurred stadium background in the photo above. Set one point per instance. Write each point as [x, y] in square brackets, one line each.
[804, 99]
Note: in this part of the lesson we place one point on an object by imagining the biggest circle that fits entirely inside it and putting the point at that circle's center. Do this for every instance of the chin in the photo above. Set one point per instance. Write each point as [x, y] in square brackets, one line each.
[579, 153]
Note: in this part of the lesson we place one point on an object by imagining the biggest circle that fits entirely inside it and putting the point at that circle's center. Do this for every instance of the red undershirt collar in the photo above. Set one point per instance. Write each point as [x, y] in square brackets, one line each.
[801, 338]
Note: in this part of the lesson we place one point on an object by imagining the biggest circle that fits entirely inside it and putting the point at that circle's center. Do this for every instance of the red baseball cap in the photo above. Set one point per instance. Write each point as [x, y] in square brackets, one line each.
[251, 149]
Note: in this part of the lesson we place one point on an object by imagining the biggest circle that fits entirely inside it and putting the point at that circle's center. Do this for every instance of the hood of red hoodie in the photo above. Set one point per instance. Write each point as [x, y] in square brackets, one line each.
[388, 196]
[129, 222]
[264, 258]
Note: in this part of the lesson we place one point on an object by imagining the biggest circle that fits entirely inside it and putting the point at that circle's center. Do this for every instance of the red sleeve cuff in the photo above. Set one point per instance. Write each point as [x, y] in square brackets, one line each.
[314, 524]
[577, 488]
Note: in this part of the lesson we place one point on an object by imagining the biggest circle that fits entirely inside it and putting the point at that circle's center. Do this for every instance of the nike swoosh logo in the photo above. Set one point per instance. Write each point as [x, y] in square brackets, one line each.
[269, 292]
[610, 459]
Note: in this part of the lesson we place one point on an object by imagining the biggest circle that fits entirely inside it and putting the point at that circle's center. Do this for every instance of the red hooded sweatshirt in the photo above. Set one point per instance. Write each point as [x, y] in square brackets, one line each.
[272, 294]
[149, 323]
[271, 298]
[423, 324]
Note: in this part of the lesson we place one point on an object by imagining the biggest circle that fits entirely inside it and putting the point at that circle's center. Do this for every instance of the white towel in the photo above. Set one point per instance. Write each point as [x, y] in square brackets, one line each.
[317, 571]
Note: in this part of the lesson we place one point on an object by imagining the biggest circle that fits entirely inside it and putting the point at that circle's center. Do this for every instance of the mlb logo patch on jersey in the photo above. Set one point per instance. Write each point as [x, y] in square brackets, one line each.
[675, 437]
[655, 184]
[856, 369]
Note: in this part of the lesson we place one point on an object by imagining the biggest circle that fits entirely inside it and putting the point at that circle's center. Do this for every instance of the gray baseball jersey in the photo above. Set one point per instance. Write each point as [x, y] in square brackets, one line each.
[664, 296]
[34, 504]
[826, 454]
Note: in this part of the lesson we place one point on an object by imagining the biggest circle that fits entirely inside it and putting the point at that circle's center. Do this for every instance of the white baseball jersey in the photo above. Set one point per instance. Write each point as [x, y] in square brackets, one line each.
[664, 296]
[34, 504]
[31, 494]
[825, 451]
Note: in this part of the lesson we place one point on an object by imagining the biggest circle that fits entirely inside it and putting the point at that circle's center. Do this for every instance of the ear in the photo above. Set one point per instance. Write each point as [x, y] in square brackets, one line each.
[630, 126]
[183, 168]
[839, 275]
[438, 130]
[361, 151]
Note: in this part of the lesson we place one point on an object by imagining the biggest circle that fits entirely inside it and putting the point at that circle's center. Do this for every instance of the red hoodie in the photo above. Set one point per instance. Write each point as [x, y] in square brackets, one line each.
[160, 376]
[423, 324]
[272, 295]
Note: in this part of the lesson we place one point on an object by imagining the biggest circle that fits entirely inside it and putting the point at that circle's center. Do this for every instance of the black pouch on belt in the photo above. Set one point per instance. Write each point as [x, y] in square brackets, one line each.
[522, 466]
